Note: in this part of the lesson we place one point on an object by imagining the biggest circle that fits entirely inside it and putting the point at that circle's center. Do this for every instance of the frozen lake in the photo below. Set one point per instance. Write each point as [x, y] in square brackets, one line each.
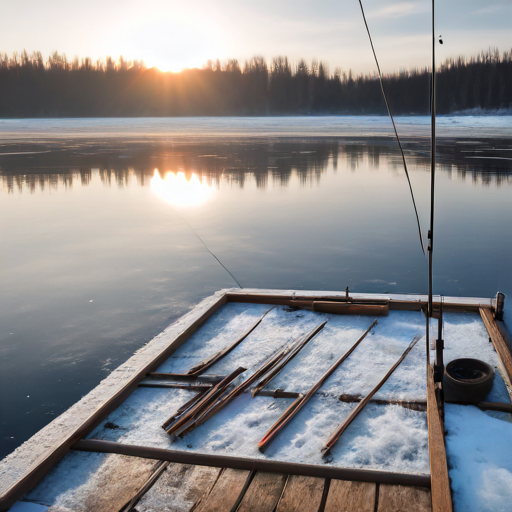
[97, 259]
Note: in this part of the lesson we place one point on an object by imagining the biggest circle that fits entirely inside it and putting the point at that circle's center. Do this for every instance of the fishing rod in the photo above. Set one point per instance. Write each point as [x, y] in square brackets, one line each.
[206, 247]
[432, 165]
[394, 126]
[430, 235]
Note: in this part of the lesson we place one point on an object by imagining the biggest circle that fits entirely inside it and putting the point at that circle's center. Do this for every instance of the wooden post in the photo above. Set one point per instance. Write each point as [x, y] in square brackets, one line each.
[500, 304]
[438, 363]
[441, 497]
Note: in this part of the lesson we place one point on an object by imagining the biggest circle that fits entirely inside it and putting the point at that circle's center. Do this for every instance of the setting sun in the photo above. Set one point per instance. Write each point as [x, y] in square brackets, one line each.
[180, 192]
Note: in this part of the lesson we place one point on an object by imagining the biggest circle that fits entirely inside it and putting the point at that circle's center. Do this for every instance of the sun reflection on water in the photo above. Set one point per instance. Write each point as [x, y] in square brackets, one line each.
[180, 192]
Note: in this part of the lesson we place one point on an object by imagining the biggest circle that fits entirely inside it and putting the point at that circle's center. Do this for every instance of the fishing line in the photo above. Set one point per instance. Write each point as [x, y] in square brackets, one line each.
[206, 247]
[394, 127]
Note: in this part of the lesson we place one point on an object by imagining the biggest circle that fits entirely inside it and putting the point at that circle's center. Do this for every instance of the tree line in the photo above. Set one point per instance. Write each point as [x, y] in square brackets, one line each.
[57, 87]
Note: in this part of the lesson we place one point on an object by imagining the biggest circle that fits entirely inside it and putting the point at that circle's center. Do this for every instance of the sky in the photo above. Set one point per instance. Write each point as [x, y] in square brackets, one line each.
[173, 35]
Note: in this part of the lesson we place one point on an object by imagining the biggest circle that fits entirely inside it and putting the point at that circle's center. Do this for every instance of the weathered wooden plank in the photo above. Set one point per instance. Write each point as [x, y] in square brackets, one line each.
[28, 464]
[97, 482]
[440, 482]
[397, 498]
[301, 493]
[174, 385]
[346, 496]
[396, 301]
[179, 488]
[266, 465]
[263, 493]
[347, 308]
[500, 345]
[225, 493]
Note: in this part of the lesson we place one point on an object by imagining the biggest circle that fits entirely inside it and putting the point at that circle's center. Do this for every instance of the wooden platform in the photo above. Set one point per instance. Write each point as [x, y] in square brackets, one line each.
[197, 487]
[149, 486]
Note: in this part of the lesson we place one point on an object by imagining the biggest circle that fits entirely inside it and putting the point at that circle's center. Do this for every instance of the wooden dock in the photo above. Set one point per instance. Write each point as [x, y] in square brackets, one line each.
[143, 478]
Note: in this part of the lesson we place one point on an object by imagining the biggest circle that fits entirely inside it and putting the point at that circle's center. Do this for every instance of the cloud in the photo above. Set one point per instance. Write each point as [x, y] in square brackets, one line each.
[487, 10]
[399, 10]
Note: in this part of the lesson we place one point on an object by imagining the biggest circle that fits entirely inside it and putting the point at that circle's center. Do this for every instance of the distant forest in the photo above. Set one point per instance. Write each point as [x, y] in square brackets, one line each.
[32, 87]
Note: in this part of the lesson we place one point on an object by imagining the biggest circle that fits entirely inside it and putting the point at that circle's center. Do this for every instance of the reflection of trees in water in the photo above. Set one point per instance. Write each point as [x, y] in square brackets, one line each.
[233, 163]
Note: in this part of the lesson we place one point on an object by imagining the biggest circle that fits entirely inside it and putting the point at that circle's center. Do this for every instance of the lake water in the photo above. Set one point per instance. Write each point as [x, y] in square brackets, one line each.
[97, 256]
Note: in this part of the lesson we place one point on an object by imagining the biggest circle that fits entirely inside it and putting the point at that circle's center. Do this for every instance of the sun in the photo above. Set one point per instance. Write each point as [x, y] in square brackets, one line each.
[180, 192]
[179, 40]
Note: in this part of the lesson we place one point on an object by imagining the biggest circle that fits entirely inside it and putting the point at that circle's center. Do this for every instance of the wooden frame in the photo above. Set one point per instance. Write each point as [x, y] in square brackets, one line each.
[27, 465]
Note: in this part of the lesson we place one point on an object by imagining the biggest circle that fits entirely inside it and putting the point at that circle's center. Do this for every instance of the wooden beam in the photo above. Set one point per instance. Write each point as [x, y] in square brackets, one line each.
[498, 341]
[441, 497]
[414, 405]
[270, 466]
[212, 379]
[278, 393]
[349, 308]
[405, 302]
[174, 385]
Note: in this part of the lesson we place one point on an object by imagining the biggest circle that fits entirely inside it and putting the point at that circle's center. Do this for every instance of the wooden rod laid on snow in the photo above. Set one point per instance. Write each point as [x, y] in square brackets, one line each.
[295, 349]
[175, 385]
[271, 363]
[185, 377]
[204, 365]
[337, 433]
[185, 407]
[209, 397]
[297, 405]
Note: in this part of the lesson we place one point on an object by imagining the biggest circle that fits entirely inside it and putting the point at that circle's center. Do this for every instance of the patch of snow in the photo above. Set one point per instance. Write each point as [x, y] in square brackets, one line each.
[479, 459]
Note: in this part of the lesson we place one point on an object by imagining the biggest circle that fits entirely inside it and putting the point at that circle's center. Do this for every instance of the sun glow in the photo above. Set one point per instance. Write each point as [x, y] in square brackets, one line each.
[180, 192]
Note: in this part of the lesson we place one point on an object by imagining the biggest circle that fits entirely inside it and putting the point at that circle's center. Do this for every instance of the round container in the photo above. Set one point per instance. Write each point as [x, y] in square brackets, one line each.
[467, 380]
